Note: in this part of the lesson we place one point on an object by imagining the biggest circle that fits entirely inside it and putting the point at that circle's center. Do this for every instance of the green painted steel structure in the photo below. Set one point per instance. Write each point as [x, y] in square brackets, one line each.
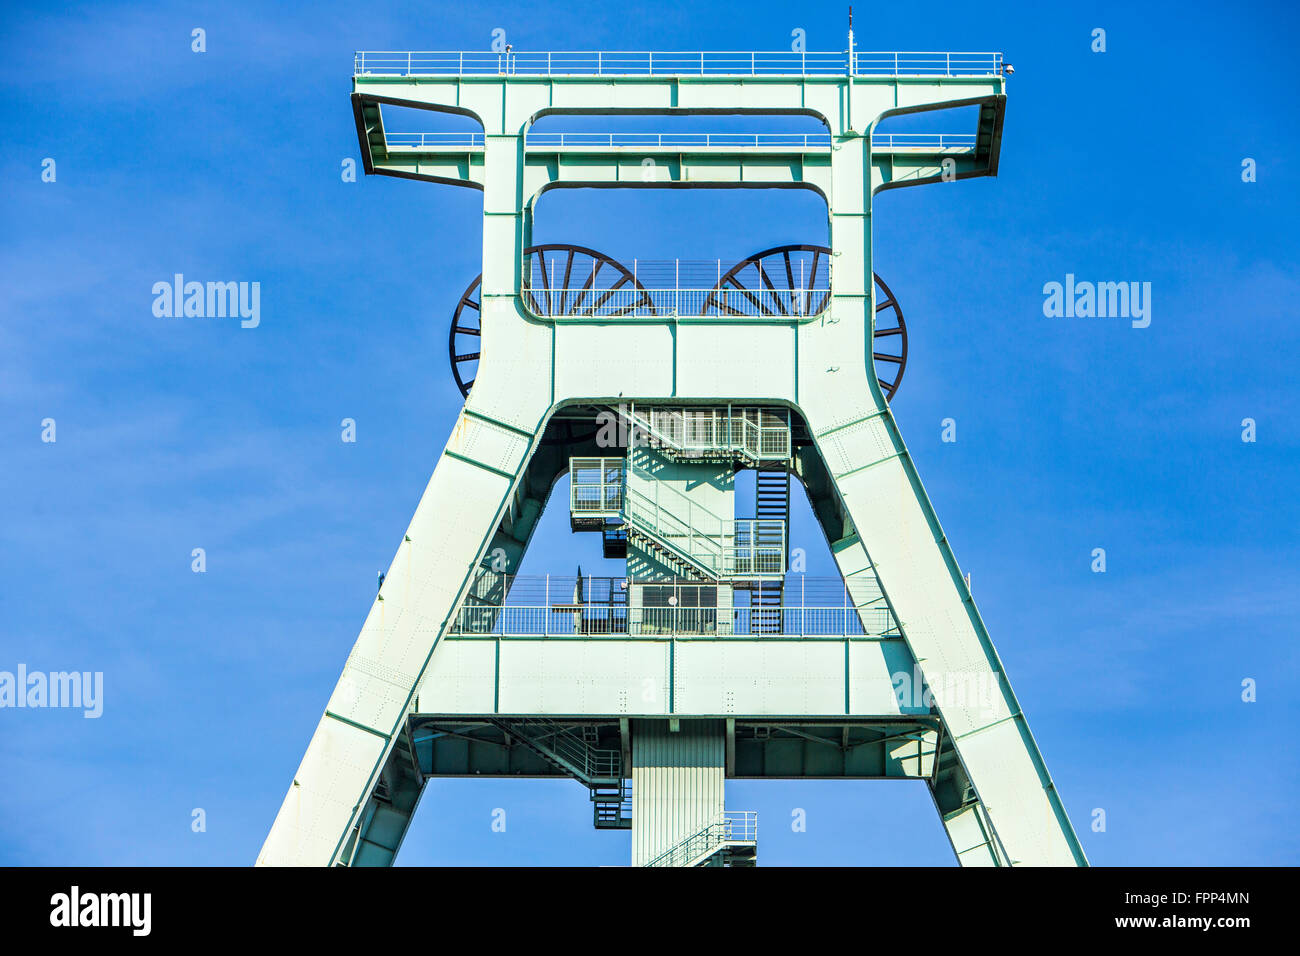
[423, 693]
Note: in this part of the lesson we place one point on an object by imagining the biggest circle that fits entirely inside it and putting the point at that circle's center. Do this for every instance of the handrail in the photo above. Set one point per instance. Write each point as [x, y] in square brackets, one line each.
[591, 763]
[757, 441]
[647, 425]
[597, 607]
[813, 590]
[661, 288]
[693, 508]
[725, 546]
[595, 763]
[601, 496]
[673, 63]
[662, 303]
[597, 621]
[734, 826]
[603, 487]
[473, 140]
[646, 515]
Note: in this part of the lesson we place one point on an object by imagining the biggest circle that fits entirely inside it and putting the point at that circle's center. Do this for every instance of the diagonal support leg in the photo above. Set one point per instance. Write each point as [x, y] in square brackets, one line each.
[354, 792]
[963, 818]
[996, 798]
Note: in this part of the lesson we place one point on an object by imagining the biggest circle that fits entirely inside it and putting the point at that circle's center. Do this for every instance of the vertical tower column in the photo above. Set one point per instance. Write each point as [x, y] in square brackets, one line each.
[677, 783]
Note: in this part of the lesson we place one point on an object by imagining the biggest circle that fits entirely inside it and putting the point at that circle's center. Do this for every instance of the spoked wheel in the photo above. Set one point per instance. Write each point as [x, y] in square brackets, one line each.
[559, 279]
[794, 280]
[888, 341]
[787, 280]
[466, 335]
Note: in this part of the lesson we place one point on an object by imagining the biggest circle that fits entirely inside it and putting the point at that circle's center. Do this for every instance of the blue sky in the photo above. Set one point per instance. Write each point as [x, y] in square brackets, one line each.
[1073, 434]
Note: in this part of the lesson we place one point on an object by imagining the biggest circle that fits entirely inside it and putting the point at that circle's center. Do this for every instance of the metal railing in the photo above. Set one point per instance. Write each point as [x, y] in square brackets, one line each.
[567, 606]
[760, 434]
[812, 590]
[575, 620]
[726, 546]
[434, 141]
[678, 140]
[655, 303]
[542, 273]
[924, 141]
[734, 827]
[590, 762]
[672, 63]
[659, 288]
[599, 487]
[674, 528]
[596, 486]
[472, 140]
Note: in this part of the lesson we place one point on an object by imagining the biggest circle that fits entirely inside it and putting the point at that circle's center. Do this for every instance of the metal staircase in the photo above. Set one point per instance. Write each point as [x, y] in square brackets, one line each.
[771, 504]
[686, 538]
[629, 506]
[612, 806]
[599, 770]
[614, 542]
[729, 841]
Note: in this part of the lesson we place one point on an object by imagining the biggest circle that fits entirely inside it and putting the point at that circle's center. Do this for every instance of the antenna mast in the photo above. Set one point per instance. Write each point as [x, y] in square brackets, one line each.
[851, 40]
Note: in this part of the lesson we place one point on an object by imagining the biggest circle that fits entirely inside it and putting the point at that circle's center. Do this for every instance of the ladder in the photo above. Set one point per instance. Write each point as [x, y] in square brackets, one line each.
[771, 503]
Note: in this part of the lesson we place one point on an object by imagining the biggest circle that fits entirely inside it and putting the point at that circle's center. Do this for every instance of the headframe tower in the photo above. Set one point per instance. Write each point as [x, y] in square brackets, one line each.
[707, 659]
